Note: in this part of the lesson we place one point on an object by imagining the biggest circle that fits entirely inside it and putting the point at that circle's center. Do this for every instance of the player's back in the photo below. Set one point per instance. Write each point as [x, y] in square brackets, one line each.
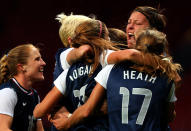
[79, 87]
[79, 83]
[136, 100]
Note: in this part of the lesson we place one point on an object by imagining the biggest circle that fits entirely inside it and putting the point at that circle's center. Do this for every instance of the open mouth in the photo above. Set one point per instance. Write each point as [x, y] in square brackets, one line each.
[41, 69]
[131, 40]
[131, 35]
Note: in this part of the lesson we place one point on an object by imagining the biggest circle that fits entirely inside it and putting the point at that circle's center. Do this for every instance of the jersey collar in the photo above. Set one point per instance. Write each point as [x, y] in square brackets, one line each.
[28, 92]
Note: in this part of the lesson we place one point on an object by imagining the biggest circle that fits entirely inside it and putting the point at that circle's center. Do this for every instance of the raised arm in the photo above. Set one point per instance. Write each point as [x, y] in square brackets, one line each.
[123, 55]
[137, 57]
[113, 58]
[132, 55]
[78, 53]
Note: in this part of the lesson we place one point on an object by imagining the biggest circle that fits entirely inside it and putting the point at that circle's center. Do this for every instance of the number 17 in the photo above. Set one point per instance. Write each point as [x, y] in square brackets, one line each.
[125, 103]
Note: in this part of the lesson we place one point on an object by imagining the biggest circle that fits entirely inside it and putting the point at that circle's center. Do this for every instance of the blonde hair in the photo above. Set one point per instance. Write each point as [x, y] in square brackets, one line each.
[8, 63]
[153, 42]
[68, 25]
[93, 33]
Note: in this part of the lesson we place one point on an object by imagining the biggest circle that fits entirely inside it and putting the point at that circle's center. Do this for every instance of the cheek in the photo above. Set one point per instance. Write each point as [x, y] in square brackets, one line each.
[138, 28]
[32, 68]
[31, 71]
[126, 28]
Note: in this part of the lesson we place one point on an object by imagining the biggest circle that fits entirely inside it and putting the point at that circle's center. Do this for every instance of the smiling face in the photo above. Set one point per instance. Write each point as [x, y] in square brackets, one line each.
[35, 66]
[137, 21]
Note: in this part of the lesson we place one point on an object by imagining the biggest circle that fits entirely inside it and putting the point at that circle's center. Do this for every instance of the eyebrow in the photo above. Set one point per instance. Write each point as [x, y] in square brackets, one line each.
[136, 20]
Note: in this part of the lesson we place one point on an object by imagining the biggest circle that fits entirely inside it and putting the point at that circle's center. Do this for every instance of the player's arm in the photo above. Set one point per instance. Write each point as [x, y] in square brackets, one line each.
[61, 111]
[123, 55]
[84, 111]
[50, 100]
[53, 97]
[94, 102]
[8, 100]
[131, 55]
[104, 108]
[39, 126]
[78, 53]
[5, 122]
[134, 56]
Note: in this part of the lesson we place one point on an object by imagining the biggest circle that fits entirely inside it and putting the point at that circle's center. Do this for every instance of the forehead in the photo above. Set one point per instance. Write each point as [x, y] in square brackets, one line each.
[33, 52]
[137, 16]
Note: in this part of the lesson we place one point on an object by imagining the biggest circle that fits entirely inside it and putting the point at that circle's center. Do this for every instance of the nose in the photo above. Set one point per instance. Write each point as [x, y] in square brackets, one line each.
[130, 26]
[43, 62]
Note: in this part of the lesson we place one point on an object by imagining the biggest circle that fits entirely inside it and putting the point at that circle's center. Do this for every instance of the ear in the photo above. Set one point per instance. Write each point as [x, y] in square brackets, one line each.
[21, 67]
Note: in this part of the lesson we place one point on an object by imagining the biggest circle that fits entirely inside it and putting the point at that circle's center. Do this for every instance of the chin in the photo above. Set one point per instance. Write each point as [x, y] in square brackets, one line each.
[42, 78]
[39, 79]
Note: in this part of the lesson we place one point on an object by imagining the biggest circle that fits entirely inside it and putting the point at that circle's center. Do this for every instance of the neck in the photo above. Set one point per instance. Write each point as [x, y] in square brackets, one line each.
[23, 81]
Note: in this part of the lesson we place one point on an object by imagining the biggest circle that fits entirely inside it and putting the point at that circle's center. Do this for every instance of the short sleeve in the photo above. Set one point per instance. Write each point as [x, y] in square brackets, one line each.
[8, 101]
[60, 82]
[103, 60]
[65, 65]
[103, 75]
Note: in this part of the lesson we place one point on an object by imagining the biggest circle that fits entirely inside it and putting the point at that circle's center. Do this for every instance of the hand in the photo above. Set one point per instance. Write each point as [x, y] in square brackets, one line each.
[55, 114]
[84, 51]
[60, 122]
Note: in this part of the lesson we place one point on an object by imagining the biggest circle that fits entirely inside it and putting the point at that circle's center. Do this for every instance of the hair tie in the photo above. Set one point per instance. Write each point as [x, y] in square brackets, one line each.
[100, 28]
